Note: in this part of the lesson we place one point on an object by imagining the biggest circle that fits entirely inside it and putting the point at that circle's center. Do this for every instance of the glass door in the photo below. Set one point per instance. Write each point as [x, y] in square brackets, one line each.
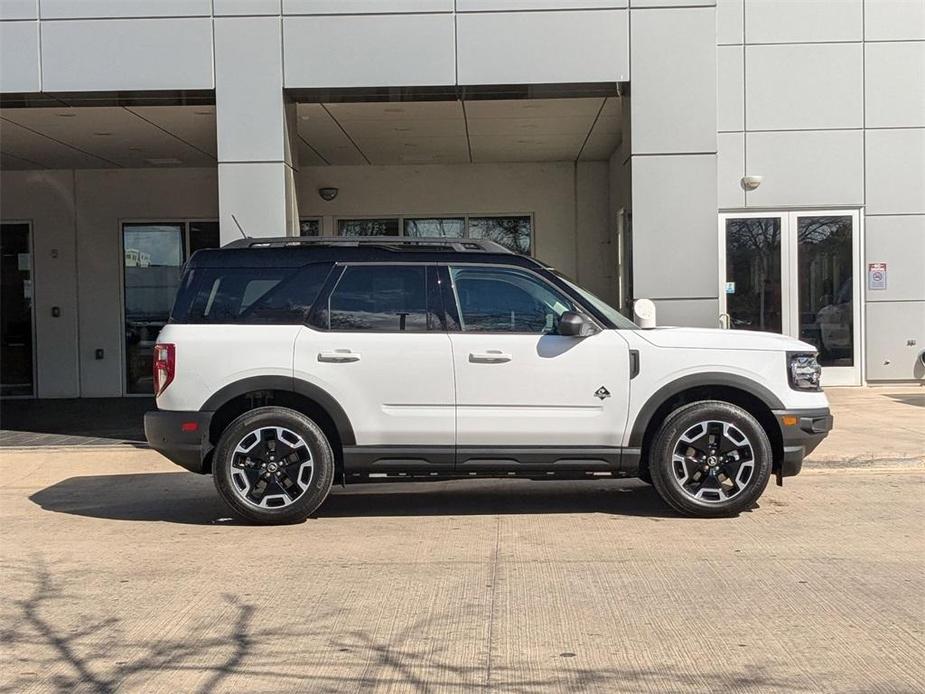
[795, 273]
[16, 345]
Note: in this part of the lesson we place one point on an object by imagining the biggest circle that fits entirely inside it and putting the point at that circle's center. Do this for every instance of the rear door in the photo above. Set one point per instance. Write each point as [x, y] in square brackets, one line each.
[376, 344]
[522, 387]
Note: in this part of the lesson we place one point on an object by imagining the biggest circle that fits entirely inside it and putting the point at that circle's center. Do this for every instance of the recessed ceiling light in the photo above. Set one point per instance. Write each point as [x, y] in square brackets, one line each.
[102, 134]
[166, 161]
[203, 113]
[304, 117]
[394, 110]
[67, 114]
[134, 149]
[409, 144]
[402, 130]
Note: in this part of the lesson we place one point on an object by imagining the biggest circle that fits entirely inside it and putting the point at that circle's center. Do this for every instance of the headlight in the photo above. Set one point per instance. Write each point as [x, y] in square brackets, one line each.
[804, 372]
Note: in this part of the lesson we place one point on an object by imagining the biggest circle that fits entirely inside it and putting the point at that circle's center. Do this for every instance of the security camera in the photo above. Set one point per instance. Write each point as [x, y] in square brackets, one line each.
[327, 194]
[751, 182]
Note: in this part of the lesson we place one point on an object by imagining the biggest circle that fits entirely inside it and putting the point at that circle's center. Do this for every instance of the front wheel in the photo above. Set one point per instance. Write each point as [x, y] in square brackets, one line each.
[710, 459]
[273, 466]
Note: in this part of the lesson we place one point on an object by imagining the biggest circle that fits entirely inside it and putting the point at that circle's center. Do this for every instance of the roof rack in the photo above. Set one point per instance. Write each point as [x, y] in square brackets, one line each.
[422, 243]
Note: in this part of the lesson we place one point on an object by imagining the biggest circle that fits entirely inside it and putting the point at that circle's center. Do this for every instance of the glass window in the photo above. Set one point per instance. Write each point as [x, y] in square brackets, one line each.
[440, 227]
[203, 235]
[500, 299]
[514, 233]
[15, 310]
[239, 295]
[753, 278]
[153, 254]
[589, 299]
[826, 287]
[367, 227]
[380, 297]
[310, 227]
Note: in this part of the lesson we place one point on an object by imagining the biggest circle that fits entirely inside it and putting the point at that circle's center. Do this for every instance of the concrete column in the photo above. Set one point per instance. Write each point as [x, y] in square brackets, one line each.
[673, 160]
[257, 155]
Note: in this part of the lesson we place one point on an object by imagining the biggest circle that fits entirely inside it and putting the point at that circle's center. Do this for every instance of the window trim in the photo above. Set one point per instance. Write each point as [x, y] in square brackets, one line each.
[449, 296]
[433, 304]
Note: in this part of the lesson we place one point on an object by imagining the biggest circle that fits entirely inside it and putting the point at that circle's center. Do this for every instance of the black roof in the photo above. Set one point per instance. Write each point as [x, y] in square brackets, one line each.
[298, 251]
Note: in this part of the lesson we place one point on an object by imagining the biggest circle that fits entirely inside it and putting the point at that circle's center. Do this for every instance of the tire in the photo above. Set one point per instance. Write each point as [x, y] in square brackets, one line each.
[273, 466]
[698, 480]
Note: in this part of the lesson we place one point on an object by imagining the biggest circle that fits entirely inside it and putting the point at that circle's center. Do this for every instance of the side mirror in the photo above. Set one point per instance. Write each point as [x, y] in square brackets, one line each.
[573, 324]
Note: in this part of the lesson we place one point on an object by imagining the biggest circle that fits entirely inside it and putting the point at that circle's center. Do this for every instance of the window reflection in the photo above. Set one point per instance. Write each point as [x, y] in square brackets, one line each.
[753, 273]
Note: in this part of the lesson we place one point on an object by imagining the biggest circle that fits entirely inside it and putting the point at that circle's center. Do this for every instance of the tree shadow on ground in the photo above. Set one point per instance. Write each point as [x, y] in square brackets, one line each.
[192, 499]
[245, 648]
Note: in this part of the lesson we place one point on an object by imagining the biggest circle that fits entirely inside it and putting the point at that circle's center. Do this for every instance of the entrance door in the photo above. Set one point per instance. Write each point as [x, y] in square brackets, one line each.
[796, 273]
[16, 348]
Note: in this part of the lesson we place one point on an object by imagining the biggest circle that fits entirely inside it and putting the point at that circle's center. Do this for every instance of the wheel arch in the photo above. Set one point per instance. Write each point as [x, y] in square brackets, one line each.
[311, 400]
[751, 396]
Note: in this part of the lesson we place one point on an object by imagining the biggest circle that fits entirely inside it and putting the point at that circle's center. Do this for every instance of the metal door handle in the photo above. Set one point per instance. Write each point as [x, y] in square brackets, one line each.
[338, 356]
[492, 356]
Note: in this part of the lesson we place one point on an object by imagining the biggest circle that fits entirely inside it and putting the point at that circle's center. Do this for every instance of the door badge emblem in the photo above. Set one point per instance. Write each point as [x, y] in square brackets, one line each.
[602, 393]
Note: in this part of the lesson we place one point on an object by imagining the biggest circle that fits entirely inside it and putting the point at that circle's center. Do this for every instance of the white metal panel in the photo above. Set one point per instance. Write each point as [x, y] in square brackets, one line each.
[543, 396]
[894, 83]
[784, 21]
[245, 7]
[894, 20]
[106, 9]
[135, 54]
[898, 241]
[249, 89]
[730, 169]
[730, 88]
[804, 86]
[19, 57]
[806, 168]
[730, 27]
[896, 171]
[891, 327]
[674, 81]
[702, 313]
[515, 5]
[19, 9]
[634, 4]
[370, 50]
[541, 47]
[400, 391]
[339, 7]
[254, 195]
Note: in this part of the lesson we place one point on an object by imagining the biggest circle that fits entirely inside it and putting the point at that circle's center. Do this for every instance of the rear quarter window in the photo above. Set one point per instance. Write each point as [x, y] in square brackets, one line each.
[249, 295]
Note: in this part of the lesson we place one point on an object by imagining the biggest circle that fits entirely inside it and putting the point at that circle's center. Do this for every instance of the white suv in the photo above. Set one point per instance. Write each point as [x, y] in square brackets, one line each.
[289, 364]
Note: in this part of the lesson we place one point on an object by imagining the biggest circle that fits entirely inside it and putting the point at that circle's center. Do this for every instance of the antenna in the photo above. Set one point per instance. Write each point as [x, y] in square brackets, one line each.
[239, 227]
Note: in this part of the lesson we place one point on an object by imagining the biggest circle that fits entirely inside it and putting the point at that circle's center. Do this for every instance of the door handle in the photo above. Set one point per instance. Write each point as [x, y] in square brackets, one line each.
[491, 356]
[338, 356]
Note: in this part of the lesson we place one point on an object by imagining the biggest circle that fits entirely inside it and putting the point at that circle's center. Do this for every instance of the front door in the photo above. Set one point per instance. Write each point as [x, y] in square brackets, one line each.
[796, 273]
[518, 384]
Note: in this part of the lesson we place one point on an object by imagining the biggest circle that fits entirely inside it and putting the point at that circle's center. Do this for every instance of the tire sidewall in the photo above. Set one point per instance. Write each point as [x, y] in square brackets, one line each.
[322, 464]
[660, 458]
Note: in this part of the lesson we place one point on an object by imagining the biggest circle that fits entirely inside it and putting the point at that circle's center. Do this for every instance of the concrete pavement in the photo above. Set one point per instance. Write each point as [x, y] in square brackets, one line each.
[121, 573]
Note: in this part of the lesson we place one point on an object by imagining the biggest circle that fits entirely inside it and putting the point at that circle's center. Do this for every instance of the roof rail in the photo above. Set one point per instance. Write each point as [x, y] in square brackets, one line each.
[394, 242]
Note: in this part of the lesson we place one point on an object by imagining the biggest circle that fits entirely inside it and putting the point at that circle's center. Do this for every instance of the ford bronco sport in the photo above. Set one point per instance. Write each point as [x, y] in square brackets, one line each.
[290, 364]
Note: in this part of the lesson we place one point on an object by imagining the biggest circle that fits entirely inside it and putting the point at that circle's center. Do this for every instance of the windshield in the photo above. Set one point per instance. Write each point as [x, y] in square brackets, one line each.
[612, 314]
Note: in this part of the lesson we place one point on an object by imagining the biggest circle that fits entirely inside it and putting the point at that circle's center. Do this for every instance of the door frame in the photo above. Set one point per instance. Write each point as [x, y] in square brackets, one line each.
[790, 309]
[34, 350]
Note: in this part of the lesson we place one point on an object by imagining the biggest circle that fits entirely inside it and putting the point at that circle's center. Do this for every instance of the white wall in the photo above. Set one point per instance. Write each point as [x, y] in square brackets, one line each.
[79, 215]
[545, 190]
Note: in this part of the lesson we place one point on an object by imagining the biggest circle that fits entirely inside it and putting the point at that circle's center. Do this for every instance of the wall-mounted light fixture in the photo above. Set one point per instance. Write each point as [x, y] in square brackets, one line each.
[327, 194]
[751, 182]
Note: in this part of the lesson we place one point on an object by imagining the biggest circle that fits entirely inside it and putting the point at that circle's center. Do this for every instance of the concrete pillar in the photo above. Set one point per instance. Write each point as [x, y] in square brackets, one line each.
[256, 130]
[673, 159]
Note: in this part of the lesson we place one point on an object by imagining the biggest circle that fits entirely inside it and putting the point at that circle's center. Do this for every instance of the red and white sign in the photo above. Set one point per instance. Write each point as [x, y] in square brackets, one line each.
[876, 275]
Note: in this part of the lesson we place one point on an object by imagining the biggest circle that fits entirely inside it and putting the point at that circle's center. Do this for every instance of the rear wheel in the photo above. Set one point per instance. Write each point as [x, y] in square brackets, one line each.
[709, 459]
[273, 466]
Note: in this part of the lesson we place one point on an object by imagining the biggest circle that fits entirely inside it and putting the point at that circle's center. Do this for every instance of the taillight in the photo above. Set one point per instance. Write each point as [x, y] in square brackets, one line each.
[165, 364]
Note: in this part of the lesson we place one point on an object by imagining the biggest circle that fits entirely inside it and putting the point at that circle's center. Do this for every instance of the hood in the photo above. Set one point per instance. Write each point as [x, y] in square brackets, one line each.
[715, 338]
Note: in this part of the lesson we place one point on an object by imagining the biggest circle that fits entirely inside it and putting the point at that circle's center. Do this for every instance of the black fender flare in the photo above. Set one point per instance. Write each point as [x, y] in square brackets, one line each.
[668, 391]
[289, 384]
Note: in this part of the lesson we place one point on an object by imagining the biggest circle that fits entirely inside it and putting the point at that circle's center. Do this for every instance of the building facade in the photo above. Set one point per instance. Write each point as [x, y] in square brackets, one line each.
[747, 164]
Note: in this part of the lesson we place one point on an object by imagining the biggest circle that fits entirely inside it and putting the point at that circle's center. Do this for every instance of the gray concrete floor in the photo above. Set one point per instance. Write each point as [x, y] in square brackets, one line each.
[121, 573]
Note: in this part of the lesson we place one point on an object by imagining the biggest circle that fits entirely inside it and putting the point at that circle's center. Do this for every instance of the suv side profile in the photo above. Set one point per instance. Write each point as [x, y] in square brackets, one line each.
[291, 364]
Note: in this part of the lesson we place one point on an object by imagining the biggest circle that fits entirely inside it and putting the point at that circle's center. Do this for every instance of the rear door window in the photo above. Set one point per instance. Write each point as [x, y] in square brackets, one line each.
[381, 298]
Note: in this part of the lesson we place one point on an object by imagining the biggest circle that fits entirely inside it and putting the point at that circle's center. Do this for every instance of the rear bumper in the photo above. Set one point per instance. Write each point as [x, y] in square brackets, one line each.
[801, 431]
[181, 437]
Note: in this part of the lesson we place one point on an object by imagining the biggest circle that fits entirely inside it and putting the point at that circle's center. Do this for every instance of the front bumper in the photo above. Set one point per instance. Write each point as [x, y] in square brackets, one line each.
[182, 437]
[801, 431]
